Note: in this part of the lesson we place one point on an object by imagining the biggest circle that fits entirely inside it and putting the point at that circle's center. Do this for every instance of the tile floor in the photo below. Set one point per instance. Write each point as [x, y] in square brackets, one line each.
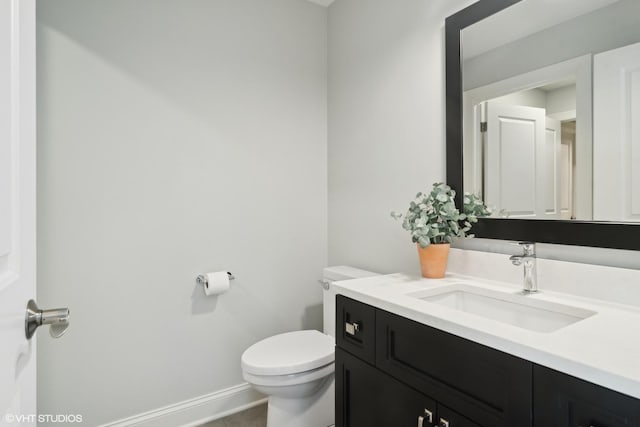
[254, 417]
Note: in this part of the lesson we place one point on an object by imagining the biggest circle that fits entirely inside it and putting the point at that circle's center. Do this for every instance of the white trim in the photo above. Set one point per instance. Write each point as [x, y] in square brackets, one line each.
[197, 411]
[563, 116]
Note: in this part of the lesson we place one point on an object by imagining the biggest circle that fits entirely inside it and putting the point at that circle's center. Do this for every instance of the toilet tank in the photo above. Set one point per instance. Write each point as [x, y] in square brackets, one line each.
[330, 275]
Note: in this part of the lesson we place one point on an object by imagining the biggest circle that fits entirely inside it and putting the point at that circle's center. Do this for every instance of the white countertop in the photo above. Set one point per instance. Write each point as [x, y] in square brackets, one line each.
[603, 349]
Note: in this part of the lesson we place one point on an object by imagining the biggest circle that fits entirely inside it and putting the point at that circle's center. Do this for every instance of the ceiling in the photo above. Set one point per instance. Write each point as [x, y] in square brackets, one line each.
[521, 20]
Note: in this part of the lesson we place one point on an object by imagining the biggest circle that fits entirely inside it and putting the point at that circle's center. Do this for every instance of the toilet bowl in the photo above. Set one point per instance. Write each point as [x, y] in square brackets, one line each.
[296, 369]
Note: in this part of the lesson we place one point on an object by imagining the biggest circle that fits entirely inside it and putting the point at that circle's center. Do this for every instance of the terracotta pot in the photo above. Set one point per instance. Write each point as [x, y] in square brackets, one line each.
[433, 260]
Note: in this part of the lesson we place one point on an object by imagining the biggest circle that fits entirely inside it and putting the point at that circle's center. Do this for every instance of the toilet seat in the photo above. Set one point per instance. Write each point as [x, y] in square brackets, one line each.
[291, 379]
[290, 353]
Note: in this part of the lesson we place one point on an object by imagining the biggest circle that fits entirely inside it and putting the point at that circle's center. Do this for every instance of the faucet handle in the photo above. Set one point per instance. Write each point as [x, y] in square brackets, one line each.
[529, 248]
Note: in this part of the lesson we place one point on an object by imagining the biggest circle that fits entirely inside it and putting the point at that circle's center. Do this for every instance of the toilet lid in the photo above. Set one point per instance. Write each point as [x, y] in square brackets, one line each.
[289, 353]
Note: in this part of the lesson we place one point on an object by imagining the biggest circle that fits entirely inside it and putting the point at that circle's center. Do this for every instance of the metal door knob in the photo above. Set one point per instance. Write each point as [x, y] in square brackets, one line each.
[58, 318]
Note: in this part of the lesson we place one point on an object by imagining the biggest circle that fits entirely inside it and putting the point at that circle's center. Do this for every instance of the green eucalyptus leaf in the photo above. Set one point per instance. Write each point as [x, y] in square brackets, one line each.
[433, 217]
[423, 242]
[396, 215]
[442, 197]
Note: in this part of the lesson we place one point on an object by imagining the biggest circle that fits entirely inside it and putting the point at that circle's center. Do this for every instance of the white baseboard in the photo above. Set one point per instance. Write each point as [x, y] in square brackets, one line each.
[197, 411]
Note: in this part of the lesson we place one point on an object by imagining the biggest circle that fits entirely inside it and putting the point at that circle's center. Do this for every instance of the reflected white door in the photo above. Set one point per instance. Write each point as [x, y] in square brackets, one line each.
[17, 211]
[616, 137]
[514, 180]
[550, 172]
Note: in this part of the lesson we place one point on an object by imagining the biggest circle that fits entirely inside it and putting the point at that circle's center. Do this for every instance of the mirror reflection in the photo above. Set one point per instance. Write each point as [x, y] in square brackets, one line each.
[552, 110]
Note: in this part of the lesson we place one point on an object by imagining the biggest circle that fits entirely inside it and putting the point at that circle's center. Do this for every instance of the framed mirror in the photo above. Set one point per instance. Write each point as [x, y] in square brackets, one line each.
[543, 118]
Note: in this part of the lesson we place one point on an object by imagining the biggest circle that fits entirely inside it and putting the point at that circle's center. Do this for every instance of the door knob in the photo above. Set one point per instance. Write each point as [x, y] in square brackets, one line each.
[58, 318]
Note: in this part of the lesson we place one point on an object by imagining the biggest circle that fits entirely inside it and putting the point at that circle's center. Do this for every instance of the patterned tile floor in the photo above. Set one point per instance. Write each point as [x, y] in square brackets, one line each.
[254, 417]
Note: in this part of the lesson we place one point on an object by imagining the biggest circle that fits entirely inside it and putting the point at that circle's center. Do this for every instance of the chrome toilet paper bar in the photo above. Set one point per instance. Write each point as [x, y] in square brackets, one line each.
[202, 279]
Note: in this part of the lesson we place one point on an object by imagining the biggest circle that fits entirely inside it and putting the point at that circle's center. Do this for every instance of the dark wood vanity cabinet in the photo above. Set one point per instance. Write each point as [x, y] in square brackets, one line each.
[490, 387]
[373, 398]
[369, 397]
[394, 372]
[564, 401]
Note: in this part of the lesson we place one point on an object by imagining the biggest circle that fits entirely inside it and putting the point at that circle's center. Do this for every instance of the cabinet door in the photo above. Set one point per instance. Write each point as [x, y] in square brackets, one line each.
[450, 418]
[485, 385]
[564, 401]
[367, 397]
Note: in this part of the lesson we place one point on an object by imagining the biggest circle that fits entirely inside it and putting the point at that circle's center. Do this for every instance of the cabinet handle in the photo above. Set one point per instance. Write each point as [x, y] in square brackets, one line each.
[351, 328]
[443, 423]
[428, 417]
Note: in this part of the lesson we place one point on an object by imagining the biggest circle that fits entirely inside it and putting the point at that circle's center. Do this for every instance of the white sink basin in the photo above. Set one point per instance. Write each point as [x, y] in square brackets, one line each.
[514, 309]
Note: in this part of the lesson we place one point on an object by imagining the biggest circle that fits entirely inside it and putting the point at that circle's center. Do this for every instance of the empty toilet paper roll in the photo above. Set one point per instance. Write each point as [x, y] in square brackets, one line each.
[217, 283]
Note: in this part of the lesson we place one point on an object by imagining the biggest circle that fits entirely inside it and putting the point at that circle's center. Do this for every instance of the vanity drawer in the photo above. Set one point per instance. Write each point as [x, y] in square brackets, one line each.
[490, 387]
[355, 328]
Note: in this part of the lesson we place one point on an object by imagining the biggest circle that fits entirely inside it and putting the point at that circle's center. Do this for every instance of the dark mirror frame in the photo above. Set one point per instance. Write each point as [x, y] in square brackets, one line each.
[613, 235]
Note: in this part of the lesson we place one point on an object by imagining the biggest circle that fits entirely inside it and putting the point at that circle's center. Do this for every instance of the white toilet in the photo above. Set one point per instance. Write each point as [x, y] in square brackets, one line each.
[295, 369]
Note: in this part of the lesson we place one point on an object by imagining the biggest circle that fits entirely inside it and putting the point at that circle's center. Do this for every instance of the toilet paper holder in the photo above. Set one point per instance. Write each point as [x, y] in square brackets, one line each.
[202, 279]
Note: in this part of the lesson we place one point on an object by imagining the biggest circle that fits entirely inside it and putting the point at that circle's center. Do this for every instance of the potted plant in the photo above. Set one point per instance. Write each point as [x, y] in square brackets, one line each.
[434, 221]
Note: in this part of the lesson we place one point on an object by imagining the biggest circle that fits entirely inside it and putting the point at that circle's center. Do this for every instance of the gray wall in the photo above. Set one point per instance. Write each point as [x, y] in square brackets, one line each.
[386, 123]
[386, 133]
[175, 138]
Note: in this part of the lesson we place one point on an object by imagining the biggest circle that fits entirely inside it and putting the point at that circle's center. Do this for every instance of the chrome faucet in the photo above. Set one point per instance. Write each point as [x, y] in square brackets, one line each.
[528, 260]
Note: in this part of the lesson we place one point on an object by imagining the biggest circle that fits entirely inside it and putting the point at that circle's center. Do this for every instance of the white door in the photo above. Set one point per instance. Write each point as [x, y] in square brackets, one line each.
[514, 182]
[523, 161]
[616, 134]
[550, 173]
[17, 211]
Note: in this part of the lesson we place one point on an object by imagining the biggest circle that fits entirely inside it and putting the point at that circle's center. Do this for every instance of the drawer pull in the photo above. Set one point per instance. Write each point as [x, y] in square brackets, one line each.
[428, 415]
[443, 423]
[351, 328]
